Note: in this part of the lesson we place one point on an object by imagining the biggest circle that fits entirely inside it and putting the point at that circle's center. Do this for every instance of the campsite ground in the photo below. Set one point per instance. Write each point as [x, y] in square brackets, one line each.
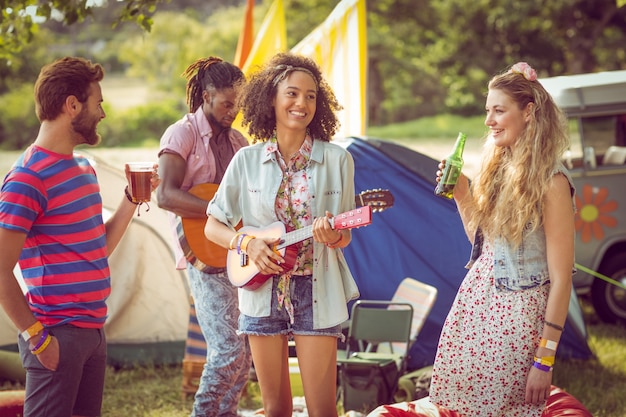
[598, 383]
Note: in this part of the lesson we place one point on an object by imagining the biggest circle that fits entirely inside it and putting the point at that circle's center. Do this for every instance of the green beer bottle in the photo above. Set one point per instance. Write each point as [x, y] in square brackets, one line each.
[452, 169]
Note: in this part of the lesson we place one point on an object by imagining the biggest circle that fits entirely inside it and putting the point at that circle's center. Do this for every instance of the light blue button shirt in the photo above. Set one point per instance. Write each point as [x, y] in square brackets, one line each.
[248, 193]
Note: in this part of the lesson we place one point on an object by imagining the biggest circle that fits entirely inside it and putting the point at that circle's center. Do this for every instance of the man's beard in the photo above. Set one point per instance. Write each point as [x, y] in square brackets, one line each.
[87, 130]
[214, 122]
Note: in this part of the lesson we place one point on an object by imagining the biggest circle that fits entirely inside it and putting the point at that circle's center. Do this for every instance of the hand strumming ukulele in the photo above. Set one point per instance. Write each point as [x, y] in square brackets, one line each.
[203, 253]
[245, 274]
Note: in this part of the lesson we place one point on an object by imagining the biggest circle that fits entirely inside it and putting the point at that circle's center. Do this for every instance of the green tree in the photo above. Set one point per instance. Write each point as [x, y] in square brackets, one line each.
[425, 56]
[443, 52]
[20, 18]
[177, 40]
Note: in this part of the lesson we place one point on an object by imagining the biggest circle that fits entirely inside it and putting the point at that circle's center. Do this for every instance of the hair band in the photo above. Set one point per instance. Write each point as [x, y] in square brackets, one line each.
[285, 70]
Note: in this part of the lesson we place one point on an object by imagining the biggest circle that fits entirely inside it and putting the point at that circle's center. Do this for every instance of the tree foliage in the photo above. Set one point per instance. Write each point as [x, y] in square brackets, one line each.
[432, 56]
[20, 18]
[424, 56]
[177, 40]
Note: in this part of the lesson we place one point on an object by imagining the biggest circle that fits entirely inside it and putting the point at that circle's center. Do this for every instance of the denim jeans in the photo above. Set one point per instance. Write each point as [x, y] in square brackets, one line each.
[228, 354]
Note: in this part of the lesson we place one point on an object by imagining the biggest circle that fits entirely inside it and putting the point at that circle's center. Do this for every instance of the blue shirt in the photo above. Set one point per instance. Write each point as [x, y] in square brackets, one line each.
[248, 192]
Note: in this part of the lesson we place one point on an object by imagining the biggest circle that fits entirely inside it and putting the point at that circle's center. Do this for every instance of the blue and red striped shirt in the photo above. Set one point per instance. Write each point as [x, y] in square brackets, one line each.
[55, 199]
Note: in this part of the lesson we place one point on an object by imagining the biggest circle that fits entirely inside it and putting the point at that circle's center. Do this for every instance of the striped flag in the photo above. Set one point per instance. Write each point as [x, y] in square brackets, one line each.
[339, 46]
[246, 36]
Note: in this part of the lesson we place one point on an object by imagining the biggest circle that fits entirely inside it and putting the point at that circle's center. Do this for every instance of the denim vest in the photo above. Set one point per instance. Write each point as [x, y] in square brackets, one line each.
[526, 266]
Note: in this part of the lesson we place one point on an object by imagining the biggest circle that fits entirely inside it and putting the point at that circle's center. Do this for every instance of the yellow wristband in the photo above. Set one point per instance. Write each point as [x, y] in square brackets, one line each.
[32, 330]
[43, 346]
[548, 344]
[233, 241]
[545, 360]
[245, 241]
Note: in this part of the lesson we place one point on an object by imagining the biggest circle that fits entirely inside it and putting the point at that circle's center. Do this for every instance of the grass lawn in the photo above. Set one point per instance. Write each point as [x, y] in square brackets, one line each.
[597, 383]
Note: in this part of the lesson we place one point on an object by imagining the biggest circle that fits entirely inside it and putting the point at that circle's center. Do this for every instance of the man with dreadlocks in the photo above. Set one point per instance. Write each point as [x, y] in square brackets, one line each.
[195, 152]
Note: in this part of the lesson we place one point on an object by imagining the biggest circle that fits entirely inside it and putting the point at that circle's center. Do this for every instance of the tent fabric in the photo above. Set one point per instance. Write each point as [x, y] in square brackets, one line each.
[420, 237]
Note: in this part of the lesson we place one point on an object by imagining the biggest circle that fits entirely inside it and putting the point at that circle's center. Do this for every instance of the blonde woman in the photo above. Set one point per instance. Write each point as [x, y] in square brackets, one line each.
[498, 343]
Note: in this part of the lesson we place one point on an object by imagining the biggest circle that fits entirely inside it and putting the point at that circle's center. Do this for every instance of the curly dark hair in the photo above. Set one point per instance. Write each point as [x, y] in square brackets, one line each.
[258, 94]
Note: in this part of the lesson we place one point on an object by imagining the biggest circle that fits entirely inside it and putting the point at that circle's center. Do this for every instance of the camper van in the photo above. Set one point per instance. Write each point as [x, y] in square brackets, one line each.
[595, 105]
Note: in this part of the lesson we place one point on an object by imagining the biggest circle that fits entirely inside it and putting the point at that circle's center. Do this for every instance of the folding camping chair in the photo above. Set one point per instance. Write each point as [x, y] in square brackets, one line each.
[422, 297]
[369, 377]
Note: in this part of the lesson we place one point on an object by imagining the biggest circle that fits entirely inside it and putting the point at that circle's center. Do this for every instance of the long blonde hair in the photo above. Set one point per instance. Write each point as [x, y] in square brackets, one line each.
[510, 189]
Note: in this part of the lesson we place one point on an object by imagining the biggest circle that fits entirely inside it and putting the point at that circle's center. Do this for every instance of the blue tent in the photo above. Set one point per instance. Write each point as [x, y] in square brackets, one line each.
[421, 237]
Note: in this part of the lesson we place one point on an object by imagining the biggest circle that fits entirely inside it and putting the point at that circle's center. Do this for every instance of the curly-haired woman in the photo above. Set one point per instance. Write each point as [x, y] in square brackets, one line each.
[294, 176]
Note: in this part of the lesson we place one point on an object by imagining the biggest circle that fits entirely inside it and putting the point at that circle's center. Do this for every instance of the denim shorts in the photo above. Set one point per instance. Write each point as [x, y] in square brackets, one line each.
[278, 321]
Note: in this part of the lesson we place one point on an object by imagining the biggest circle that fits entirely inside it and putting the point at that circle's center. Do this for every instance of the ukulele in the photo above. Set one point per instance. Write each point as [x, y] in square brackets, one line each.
[206, 255]
[245, 274]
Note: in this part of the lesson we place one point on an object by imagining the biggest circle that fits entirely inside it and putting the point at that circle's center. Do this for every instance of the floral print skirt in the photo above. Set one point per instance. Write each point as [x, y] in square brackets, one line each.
[487, 346]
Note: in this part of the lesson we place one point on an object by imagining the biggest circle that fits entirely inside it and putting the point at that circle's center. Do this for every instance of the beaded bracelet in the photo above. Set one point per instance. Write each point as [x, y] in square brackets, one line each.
[43, 343]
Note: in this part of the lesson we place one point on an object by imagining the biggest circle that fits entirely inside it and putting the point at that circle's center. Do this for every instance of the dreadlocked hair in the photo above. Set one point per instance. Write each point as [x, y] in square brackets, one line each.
[260, 90]
[211, 74]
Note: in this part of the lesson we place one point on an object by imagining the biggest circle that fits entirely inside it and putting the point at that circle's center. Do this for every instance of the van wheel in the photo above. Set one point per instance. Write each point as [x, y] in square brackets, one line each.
[609, 300]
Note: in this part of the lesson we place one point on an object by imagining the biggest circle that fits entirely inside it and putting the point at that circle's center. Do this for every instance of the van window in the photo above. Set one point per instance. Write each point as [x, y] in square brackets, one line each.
[599, 132]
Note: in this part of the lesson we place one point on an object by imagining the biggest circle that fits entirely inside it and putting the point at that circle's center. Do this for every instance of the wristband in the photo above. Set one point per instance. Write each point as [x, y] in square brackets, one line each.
[42, 339]
[545, 360]
[232, 243]
[548, 344]
[542, 367]
[42, 344]
[239, 240]
[130, 197]
[245, 241]
[32, 330]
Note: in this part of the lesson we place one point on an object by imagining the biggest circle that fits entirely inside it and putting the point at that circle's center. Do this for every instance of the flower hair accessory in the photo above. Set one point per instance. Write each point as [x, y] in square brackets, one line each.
[526, 70]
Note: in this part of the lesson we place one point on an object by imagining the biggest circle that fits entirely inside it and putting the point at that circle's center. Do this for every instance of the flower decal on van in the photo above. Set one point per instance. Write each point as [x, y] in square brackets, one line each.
[592, 213]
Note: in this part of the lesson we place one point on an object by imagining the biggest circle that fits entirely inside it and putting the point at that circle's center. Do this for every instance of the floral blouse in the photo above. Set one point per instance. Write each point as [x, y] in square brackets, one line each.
[294, 210]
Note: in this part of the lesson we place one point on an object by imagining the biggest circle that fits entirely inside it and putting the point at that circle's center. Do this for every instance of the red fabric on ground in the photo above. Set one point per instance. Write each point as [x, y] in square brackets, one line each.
[11, 403]
[560, 404]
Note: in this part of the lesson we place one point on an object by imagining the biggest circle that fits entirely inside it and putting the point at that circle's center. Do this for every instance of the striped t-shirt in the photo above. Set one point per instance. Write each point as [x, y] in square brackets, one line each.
[55, 199]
